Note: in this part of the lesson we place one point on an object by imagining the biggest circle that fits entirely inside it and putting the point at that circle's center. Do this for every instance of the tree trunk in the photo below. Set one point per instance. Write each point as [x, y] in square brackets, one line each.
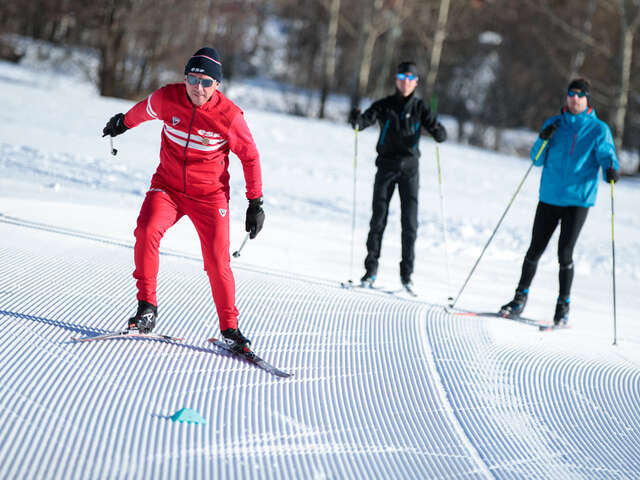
[438, 42]
[389, 50]
[329, 54]
[578, 59]
[112, 48]
[623, 91]
[356, 93]
[628, 29]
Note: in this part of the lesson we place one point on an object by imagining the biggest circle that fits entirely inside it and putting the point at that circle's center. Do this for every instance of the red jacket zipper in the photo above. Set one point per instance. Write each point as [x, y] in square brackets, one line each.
[184, 164]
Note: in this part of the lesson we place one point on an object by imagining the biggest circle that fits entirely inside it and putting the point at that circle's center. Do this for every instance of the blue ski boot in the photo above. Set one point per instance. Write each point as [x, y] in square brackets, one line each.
[516, 306]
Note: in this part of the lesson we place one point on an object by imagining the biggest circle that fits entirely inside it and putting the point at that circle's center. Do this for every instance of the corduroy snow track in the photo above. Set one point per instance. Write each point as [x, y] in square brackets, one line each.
[383, 387]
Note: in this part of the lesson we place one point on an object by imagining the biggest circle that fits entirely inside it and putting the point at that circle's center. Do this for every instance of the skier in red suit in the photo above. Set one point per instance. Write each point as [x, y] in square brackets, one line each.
[201, 127]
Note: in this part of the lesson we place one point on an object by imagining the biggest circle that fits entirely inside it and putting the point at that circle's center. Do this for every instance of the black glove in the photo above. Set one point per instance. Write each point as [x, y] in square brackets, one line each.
[548, 131]
[354, 118]
[115, 126]
[612, 174]
[439, 133]
[255, 217]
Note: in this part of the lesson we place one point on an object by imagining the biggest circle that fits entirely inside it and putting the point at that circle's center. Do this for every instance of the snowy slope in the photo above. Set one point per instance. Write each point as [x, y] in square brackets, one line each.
[382, 386]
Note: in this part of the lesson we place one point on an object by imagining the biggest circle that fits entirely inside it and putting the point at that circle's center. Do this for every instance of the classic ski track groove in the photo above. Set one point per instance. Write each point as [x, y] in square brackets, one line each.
[383, 387]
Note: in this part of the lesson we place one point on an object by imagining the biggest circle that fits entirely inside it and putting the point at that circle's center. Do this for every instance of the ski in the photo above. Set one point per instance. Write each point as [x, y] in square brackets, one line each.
[409, 290]
[128, 334]
[349, 285]
[251, 357]
[401, 293]
[552, 327]
[542, 326]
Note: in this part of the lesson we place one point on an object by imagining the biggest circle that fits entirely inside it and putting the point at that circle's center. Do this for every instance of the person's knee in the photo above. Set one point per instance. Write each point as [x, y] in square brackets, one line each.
[565, 258]
[564, 265]
[146, 230]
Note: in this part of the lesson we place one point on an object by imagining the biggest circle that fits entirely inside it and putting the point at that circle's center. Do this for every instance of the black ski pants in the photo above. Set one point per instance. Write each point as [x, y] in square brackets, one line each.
[571, 220]
[408, 184]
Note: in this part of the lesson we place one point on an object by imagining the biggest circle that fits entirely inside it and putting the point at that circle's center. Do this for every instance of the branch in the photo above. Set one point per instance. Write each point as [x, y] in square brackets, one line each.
[567, 28]
[344, 22]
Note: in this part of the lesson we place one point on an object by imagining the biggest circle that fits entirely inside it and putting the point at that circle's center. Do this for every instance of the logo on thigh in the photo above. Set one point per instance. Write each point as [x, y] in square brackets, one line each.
[223, 211]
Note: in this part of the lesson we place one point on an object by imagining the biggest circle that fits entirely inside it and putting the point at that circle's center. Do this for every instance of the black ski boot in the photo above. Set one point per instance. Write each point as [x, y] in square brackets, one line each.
[145, 318]
[407, 285]
[368, 279]
[515, 307]
[561, 317]
[234, 339]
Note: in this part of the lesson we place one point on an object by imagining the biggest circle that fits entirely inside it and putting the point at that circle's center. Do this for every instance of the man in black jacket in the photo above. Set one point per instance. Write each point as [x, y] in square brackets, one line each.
[401, 117]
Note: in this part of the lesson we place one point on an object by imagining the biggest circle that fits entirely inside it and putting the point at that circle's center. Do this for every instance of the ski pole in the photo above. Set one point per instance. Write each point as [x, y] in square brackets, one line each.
[444, 223]
[113, 150]
[434, 109]
[544, 144]
[236, 254]
[353, 207]
[613, 271]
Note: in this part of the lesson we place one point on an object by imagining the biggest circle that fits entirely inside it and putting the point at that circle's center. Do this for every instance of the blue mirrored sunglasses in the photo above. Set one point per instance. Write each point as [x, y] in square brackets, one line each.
[573, 93]
[205, 82]
[404, 76]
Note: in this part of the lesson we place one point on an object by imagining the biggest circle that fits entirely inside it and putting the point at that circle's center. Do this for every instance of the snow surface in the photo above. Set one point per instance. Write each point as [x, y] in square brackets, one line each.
[383, 386]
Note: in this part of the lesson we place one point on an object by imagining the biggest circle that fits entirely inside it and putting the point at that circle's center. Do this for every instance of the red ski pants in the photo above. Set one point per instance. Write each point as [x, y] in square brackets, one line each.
[162, 209]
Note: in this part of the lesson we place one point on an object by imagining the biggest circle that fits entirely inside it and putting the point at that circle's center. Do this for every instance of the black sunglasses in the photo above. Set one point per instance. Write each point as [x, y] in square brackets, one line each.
[205, 82]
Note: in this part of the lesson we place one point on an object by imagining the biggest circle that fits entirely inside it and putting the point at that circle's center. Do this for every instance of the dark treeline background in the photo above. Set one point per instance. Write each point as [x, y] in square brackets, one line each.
[491, 63]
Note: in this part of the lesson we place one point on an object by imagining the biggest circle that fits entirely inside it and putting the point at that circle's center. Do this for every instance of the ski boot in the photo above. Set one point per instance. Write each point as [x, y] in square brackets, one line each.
[368, 279]
[515, 307]
[561, 317]
[145, 318]
[234, 339]
[407, 285]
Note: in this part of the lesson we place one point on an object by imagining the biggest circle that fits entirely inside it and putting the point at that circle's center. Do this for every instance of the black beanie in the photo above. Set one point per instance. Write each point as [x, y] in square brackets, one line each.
[410, 67]
[205, 61]
[582, 85]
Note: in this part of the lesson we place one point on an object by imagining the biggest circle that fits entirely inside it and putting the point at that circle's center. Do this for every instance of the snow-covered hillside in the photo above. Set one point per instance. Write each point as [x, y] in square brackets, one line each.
[382, 386]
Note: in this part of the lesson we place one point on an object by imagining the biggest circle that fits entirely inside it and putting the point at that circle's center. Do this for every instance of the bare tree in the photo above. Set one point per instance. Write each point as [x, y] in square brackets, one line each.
[389, 49]
[438, 42]
[629, 23]
[329, 54]
[579, 57]
[377, 18]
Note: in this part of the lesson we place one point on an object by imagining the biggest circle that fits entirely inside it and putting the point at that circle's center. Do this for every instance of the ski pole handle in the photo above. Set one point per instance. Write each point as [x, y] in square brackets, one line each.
[236, 254]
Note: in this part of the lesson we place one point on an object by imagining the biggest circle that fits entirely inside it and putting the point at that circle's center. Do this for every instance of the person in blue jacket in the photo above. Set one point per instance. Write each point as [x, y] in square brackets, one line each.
[578, 145]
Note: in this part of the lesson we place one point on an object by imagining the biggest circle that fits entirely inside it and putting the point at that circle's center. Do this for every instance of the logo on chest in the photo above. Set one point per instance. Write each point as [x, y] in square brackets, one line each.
[175, 121]
[207, 137]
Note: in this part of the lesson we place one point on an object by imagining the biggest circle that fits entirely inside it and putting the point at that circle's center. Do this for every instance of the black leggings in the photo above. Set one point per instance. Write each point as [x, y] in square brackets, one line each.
[547, 217]
[385, 183]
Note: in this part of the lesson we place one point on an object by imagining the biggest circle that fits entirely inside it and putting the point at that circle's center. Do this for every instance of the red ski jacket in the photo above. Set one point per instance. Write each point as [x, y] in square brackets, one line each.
[194, 154]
